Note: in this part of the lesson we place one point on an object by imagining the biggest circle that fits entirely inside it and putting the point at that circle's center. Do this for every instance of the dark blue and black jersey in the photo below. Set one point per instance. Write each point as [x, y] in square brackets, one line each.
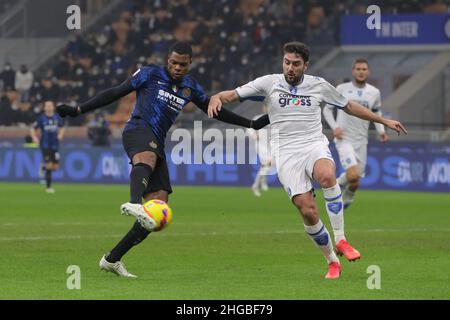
[159, 99]
[49, 130]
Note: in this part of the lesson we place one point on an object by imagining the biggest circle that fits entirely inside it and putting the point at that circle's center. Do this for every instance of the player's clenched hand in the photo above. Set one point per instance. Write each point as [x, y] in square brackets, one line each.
[214, 106]
[396, 126]
[338, 133]
[384, 137]
[66, 110]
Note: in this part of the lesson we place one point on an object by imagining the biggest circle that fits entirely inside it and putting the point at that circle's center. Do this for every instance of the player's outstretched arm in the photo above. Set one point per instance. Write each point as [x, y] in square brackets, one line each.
[217, 100]
[100, 100]
[355, 109]
[227, 116]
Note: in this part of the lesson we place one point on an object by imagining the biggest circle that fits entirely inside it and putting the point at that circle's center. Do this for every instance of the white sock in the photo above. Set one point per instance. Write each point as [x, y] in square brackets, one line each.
[321, 237]
[335, 210]
[342, 179]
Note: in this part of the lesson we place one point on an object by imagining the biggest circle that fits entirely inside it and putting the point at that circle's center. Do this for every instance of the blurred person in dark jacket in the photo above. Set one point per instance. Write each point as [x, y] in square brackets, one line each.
[8, 76]
[98, 130]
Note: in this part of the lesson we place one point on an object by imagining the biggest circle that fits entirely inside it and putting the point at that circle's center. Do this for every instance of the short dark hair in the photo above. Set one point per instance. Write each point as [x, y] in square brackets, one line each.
[360, 60]
[181, 48]
[298, 48]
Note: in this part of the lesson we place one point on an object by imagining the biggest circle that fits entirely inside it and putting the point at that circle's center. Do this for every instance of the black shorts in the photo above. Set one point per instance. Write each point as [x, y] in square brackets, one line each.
[142, 139]
[50, 155]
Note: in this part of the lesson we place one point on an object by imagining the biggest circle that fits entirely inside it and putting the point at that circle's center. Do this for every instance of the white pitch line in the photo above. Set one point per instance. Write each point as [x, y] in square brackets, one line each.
[188, 234]
[59, 224]
[72, 237]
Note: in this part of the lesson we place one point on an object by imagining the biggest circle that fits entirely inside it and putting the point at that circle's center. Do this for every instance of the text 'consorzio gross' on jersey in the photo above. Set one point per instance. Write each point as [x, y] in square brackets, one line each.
[159, 99]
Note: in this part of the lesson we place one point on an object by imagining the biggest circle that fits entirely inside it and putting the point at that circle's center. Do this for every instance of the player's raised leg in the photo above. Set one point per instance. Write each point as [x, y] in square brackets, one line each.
[324, 174]
[143, 166]
[317, 231]
[111, 261]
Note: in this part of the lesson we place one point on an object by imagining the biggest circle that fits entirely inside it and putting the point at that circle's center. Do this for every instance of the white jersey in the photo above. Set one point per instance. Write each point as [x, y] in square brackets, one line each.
[294, 112]
[355, 130]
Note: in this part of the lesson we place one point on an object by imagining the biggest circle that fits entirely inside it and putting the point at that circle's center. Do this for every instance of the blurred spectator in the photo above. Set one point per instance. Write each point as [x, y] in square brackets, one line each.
[98, 130]
[318, 31]
[8, 77]
[7, 114]
[25, 114]
[23, 83]
[438, 6]
[5, 5]
[48, 90]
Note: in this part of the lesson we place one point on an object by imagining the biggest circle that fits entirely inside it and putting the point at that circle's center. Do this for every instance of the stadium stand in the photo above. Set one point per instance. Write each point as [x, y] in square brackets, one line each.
[233, 40]
[5, 6]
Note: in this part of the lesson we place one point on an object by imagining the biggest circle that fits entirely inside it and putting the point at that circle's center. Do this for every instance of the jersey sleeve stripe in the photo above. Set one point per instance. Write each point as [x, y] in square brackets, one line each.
[335, 105]
[253, 98]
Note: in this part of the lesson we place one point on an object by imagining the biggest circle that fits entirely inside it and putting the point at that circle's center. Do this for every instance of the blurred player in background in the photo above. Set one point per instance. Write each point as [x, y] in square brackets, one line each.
[48, 131]
[351, 133]
[300, 148]
[261, 140]
[161, 93]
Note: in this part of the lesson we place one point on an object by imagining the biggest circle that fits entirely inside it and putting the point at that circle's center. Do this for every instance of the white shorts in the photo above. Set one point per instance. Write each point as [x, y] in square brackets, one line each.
[295, 169]
[351, 155]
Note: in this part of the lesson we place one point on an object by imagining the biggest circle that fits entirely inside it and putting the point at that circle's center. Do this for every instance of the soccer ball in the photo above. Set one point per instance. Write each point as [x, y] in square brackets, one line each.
[159, 212]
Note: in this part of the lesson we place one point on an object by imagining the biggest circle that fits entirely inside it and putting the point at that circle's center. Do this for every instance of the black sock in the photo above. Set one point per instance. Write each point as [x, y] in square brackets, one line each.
[139, 177]
[135, 236]
[48, 178]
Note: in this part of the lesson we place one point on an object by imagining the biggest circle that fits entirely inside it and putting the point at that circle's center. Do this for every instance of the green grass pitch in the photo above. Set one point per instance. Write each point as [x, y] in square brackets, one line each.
[223, 244]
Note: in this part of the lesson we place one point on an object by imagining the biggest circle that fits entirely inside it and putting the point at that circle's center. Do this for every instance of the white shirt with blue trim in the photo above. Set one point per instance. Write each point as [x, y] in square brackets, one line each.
[294, 111]
[355, 130]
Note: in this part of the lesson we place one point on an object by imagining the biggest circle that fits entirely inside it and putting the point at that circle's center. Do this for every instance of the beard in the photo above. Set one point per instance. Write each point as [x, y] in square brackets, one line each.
[360, 82]
[294, 80]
